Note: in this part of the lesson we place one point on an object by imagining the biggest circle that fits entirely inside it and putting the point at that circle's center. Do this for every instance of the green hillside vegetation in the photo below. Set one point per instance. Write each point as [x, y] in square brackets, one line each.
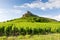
[29, 17]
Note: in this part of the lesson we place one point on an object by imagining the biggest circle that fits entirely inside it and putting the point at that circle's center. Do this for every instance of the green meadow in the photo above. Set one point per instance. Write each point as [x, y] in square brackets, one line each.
[34, 37]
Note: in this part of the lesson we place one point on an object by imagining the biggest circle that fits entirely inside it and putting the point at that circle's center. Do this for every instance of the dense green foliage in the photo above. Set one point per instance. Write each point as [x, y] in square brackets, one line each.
[28, 28]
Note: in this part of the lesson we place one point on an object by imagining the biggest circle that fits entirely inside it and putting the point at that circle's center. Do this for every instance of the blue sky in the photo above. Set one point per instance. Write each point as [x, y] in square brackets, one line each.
[10, 9]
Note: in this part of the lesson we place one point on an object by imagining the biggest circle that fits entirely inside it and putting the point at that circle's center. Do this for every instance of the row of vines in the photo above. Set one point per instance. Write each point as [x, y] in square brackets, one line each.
[14, 30]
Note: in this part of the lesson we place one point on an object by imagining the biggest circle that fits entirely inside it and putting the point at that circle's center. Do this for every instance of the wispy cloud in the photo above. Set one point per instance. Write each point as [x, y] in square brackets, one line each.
[39, 4]
[9, 14]
[57, 17]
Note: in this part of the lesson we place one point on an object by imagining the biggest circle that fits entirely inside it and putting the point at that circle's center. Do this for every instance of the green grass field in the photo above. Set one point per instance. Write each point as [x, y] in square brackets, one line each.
[35, 37]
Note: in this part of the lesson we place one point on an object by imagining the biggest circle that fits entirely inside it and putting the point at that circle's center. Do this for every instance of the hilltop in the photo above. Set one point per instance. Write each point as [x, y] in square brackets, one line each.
[30, 17]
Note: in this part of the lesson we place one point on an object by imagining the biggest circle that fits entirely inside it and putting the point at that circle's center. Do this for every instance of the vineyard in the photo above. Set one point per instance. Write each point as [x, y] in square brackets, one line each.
[28, 28]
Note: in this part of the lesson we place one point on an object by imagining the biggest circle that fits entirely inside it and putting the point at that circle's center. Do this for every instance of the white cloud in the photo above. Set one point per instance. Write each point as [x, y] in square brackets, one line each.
[57, 17]
[43, 8]
[38, 4]
[9, 14]
[3, 11]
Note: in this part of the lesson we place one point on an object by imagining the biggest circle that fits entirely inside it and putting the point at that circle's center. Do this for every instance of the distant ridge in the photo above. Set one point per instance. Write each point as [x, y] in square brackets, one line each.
[29, 17]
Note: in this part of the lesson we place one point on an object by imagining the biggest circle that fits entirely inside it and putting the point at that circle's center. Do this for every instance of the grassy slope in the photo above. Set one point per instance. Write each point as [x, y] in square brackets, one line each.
[29, 17]
[35, 37]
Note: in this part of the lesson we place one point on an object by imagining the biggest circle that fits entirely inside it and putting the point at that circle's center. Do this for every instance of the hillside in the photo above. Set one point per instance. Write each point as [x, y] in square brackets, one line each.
[29, 17]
